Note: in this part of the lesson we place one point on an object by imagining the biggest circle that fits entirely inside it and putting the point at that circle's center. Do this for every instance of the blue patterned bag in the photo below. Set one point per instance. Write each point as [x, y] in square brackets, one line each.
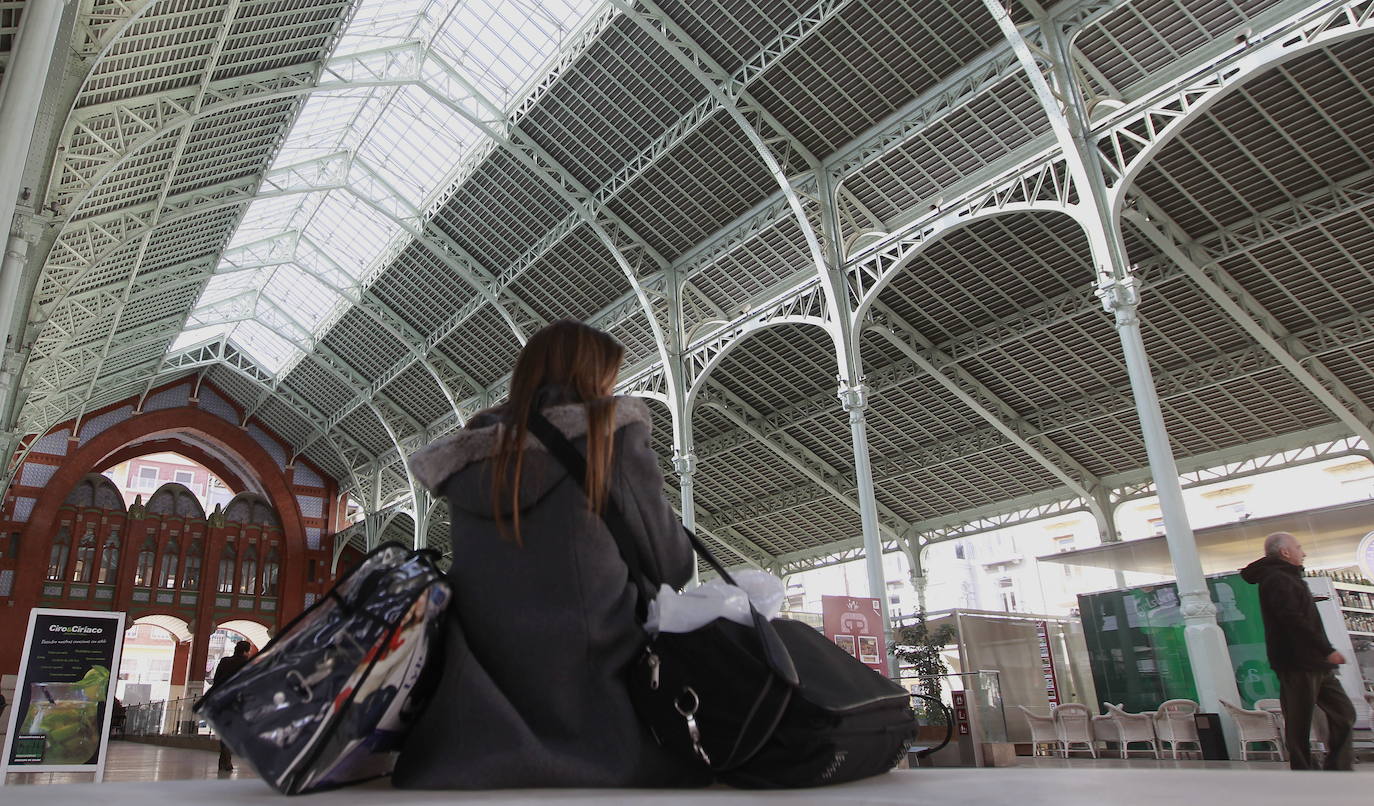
[327, 702]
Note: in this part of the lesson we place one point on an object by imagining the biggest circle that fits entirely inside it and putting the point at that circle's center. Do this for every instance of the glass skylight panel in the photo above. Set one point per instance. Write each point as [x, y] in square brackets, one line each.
[311, 299]
[395, 148]
[350, 231]
[402, 146]
[199, 335]
[500, 44]
[271, 351]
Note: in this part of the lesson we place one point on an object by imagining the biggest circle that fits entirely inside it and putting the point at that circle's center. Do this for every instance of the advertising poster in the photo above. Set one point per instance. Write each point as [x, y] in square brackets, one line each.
[1138, 654]
[855, 624]
[60, 720]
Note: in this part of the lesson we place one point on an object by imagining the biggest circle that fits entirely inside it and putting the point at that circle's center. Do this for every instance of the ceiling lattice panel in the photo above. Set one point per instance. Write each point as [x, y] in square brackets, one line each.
[1141, 39]
[273, 215]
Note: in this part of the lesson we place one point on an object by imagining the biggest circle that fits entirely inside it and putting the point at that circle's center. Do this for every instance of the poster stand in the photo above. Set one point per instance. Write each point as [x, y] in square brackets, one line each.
[64, 651]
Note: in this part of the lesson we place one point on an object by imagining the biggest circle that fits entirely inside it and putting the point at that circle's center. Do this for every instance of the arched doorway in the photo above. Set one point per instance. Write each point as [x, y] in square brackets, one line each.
[153, 663]
[224, 638]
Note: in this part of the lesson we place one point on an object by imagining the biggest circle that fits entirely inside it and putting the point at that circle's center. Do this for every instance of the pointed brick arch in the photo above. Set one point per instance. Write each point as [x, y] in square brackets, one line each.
[145, 428]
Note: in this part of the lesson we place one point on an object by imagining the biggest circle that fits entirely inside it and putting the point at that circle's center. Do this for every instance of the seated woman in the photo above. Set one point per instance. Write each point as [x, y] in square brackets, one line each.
[542, 625]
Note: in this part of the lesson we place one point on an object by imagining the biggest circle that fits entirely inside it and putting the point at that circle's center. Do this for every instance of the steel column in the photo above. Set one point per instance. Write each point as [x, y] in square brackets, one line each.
[1120, 295]
[25, 75]
[1212, 670]
[686, 465]
[854, 399]
[15, 259]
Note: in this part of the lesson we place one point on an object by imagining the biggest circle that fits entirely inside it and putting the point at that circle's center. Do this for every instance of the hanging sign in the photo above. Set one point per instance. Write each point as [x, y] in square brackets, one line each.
[1042, 631]
[60, 720]
[855, 624]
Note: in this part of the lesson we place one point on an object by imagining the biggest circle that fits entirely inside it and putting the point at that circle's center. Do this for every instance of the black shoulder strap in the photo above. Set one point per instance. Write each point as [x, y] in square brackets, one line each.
[565, 452]
[576, 464]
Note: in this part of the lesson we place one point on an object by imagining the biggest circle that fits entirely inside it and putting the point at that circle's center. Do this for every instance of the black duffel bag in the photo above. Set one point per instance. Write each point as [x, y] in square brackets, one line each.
[766, 705]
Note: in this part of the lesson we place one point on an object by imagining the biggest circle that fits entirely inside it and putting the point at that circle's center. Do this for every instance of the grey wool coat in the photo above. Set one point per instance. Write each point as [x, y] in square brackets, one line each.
[540, 634]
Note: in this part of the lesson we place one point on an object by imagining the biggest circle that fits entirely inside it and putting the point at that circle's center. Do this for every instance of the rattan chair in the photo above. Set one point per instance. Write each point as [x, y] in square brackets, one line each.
[1133, 728]
[1256, 727]
[1043, 734]
[1174, 724]
[1073, 724]
[1317, 736]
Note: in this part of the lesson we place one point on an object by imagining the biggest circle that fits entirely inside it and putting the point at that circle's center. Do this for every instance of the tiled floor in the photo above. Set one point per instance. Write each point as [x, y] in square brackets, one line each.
[134, 761]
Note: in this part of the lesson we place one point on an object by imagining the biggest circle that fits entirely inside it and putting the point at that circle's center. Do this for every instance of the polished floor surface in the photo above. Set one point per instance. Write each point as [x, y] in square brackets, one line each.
[189, 777]
[135, 761]
[945, 787]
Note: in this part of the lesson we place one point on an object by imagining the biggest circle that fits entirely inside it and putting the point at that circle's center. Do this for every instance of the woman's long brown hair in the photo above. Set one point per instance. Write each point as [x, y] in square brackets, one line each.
[582, 362]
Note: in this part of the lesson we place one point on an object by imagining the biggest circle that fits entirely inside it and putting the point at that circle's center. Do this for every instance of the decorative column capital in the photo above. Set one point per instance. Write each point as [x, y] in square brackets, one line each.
[26, 226]
[685, 463]
[1198, 606]
[1120, 296]
[853, 398]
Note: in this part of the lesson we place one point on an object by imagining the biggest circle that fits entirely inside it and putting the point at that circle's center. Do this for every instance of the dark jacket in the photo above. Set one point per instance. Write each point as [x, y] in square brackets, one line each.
[1292, 626]
[228, 667]
[540, 635]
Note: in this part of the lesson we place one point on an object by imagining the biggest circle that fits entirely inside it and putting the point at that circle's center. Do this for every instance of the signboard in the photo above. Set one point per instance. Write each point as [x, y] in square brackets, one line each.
[855, 624]
[1042, 632]
[60, 720]
[1364, 556]
[960, 701]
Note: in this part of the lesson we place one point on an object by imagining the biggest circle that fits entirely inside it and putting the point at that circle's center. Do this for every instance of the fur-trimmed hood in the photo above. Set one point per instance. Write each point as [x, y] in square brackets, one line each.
[436, 462]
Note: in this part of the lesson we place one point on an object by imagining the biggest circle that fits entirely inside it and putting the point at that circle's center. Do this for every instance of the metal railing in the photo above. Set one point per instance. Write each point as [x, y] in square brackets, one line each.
[164, 718]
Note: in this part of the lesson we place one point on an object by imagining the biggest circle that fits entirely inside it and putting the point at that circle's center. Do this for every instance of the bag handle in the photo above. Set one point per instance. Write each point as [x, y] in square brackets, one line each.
[775, 652]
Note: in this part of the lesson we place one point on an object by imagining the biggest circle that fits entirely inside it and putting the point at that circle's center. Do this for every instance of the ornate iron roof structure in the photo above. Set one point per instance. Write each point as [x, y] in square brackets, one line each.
[350, 214]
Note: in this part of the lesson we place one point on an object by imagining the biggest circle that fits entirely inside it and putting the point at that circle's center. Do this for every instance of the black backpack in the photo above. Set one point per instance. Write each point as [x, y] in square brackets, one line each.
[766, 705]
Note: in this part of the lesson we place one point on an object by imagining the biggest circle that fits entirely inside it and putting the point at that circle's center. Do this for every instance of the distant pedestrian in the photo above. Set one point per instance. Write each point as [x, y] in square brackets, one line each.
[227, 668]
[1301, 655]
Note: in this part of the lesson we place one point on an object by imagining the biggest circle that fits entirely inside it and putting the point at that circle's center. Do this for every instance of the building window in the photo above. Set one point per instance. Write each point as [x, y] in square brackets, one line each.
[1008, 586]
[169, 565]
[85, 557]
[57, 558]
[270, 571]
[109, 560]
[248, 575]
[190, 575]
[184, 477]
[143, 571]
[146, 479]
[227, 561]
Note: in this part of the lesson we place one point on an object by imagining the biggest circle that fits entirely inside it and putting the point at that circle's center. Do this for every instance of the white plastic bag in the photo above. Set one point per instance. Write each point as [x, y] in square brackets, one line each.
[683, 612]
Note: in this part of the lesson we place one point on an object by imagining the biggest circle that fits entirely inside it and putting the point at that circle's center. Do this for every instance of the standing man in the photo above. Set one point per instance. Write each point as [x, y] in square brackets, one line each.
[227, 668]
[1301, 655]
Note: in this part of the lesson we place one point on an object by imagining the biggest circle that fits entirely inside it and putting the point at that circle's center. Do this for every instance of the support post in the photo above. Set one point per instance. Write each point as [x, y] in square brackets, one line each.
[854, 399]
[20, 97]
[1120, 295]
[686, 465]
[1212, 671]
[916, 564]
[11, 270]
[1104, 513]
